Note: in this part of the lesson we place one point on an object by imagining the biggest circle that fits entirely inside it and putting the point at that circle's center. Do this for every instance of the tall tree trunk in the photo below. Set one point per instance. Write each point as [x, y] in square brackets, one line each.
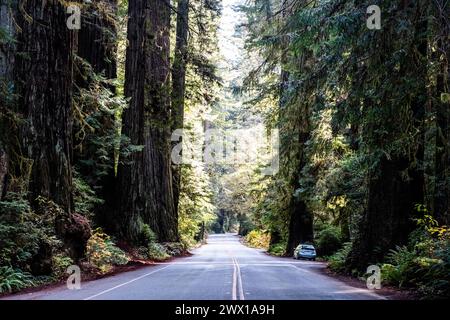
[97, 38]
[387, 220]
[44, 80]
[441, 56]
[301, 220]
[179, 84]
[292, 144]
[7, 51]
[3, 171]
[146, 193]
[44, 76]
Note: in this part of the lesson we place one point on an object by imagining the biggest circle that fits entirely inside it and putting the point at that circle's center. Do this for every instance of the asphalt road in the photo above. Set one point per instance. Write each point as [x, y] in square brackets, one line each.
[223, 269]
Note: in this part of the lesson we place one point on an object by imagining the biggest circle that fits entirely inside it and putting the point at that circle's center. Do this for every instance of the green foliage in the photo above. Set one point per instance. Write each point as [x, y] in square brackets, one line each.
[424, 263]
[329, 240]
[85, 199]
[157, 252]
[102, 253]
[195, 206]
[98, 142]
[401, 270]
[258, 239]
[174, 249]
[151, 249]
[147, 234]
[350, 97]
[337, 262]
[60, 263]
[246, 225]
[277, 249]
[24, 231]
[14, 279]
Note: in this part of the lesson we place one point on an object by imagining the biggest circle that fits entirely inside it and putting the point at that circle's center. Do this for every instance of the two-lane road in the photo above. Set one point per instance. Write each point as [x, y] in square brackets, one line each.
[223, 269]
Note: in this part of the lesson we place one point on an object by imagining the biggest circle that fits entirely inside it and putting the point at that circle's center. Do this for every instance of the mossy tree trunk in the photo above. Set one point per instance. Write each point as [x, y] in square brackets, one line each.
[44, 80]
[7, 53]
[396, 180]
[179, 84]
[440, 52]
[146, 193]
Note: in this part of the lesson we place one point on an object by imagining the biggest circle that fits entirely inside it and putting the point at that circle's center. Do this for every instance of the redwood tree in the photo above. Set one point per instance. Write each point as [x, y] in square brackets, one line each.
[44, 77]
[146, 193]
[44, 84]
[179, 82]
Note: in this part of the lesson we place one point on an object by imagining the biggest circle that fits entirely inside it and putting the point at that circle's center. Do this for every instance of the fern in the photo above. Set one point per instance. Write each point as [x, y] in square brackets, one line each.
[14, 279]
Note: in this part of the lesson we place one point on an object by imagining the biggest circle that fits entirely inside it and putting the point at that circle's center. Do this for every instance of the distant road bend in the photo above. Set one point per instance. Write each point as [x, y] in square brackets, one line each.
[223, 269]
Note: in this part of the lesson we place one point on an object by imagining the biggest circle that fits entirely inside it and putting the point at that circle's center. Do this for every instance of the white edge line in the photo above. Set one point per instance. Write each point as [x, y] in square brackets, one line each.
[365, 291]
[125, 283]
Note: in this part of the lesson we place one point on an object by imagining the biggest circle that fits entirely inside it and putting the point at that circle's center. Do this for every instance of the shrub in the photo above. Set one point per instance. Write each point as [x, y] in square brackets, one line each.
[245, 226]
[60, 263]
[423, 264]
[24, 233]
[150, 249]
[329, 241]
[85, 199]
[401, 270]
[156, 251]
[102, 253]
[14, 279]
[258, 239]
[278, 249]
[174, 248]
[337, 261]
[147, 235]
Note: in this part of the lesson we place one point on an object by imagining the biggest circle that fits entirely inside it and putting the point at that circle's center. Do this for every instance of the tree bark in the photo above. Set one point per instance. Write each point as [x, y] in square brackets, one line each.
[7, 51]
[3, 171]
[179, 84]
[387, 220]
[44, 79]
[7, 47]
[97, 42]
[146, 193]
[301, 219]
[44, 82]
[441, 207]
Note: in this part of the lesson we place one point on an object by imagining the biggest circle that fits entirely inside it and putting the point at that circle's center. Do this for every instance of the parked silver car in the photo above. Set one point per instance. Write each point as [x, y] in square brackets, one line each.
[305, 251]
